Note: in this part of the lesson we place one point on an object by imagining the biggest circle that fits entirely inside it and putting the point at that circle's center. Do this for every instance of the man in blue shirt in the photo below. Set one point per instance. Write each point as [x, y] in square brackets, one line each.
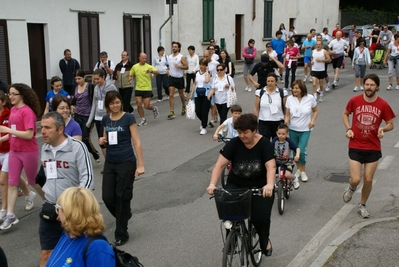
[307, 46]
[278, 45]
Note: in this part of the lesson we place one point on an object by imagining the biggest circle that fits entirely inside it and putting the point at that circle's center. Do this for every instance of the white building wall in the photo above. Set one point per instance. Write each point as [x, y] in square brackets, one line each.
[62, 31]
[187, 21]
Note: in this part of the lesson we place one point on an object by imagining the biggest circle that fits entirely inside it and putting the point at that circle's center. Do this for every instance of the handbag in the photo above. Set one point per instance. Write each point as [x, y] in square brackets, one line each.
[231, 98]
[190, 110]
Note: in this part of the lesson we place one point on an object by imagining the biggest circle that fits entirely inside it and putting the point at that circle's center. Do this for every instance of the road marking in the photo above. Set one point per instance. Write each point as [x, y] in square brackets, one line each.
[396, 145]
[385, 163]
[310, 249]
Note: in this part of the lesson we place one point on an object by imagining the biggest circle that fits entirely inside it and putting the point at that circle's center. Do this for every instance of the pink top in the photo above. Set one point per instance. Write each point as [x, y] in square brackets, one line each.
[23, 119]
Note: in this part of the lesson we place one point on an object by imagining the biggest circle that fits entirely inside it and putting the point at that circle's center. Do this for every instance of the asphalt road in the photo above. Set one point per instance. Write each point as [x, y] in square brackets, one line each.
[175, 223]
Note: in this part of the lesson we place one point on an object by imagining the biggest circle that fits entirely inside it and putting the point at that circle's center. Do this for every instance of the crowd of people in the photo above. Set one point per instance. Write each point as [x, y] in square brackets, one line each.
[280, 123]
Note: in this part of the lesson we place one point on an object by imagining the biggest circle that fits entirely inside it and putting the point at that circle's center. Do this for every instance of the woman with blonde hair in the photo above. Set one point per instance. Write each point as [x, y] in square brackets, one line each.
[79, 214]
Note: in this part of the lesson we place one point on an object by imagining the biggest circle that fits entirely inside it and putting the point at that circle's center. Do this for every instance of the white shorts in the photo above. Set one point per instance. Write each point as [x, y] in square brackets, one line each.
[4, 162]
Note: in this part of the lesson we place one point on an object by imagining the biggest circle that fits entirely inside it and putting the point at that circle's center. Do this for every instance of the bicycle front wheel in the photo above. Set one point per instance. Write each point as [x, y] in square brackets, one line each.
[280, 198]
[234, 252]
[254, 246]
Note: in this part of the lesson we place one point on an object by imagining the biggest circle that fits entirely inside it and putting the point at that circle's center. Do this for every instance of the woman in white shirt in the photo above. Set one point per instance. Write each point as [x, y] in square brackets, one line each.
[193, 67]
[200, 92]
[269, 107]
[161, 63]
[300, 116]
[392, 58]
[361, 59]
[221, 84]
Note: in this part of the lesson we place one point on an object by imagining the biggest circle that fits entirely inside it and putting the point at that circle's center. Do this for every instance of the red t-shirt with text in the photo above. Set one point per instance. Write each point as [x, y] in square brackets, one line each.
[366, 119]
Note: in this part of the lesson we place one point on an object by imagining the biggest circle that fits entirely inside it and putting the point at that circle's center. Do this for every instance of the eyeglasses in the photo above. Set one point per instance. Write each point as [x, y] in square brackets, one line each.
[57, 208]
[220, 69]
[63, 108]
[268, 46]
[13, 94]
[115, 103]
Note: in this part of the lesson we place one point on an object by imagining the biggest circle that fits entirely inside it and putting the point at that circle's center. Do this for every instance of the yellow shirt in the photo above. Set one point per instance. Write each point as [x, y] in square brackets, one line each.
[143, 79]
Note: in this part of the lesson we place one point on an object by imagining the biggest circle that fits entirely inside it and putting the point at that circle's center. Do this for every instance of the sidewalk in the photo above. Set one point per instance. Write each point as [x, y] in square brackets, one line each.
[370, 243]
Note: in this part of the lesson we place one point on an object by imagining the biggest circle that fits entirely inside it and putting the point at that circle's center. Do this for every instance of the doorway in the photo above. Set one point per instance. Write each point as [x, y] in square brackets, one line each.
[37, 61]
[238, 36]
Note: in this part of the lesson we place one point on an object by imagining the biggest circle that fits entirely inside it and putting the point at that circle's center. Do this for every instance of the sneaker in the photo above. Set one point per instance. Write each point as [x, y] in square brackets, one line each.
[29, 200]
[3, 215]
[347, 196]
[321, 98]
[363, 211]
[304, 177]
[298, 174]
[143, 122]
[389, 87]
[295, 182]
[249, 89]
[246, 88]
[210, 124]
[361, 88]
[171, 115]
[183, 111]
[156, 112]
[159, 100]
[397, 87]
[311, 79]
[355, 89]
[318, 90]
[334, 84]
[281, 79]
[8, 222]
[203, 131]
[305, 79]
[338, 81]
[327, 87]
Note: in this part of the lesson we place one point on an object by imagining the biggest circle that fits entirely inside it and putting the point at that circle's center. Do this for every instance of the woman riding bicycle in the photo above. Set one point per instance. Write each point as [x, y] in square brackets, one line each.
[253, 165]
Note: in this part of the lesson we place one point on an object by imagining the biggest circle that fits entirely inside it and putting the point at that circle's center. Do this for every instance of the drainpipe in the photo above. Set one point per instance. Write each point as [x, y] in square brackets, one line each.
[160, 30]
[171, 24]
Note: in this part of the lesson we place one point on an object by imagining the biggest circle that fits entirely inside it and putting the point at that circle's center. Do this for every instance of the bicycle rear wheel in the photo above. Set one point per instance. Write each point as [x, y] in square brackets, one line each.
[280, 198]
[234, 252]
[254, 246]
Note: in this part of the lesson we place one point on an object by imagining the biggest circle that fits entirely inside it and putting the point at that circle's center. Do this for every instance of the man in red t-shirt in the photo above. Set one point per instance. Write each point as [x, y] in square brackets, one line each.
[338, 29]
[368, 111]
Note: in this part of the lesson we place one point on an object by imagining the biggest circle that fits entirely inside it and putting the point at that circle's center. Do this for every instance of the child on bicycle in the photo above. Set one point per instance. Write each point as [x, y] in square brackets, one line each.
[236, 111]
[283, 151]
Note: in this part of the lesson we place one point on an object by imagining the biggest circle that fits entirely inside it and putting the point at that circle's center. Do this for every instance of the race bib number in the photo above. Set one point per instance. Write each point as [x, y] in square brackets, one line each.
[51, 170]
[100, 104]
[112, 138]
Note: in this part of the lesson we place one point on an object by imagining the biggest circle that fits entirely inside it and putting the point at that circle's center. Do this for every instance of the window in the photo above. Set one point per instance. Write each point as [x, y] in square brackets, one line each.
[268, 16]
[4, 53]
[208, 12]
[89, 40]
[137, 36]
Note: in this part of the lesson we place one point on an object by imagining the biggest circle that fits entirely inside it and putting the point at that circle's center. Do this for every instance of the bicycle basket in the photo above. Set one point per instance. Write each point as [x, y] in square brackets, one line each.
[234, 204]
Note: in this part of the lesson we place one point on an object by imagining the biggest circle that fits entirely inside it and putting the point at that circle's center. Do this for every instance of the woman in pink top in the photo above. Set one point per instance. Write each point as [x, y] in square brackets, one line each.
[290, 56]
[24, 151]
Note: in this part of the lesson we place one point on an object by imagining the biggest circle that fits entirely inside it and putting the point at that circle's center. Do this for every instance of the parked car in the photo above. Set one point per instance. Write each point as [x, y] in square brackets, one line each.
[365, 29]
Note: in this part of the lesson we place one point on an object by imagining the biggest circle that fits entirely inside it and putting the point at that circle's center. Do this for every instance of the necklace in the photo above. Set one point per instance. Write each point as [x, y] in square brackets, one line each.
[54, 260]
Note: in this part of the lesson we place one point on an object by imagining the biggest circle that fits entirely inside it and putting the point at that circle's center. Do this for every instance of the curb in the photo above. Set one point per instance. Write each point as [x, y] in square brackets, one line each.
[332, 247]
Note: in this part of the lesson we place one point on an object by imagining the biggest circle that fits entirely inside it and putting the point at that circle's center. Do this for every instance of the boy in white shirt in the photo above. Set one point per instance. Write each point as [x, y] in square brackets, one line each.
[236, 111]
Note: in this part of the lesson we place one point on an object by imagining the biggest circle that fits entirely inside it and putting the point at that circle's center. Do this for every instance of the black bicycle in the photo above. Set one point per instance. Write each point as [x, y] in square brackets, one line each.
[284, 185]
[227, 169]
[242, 241]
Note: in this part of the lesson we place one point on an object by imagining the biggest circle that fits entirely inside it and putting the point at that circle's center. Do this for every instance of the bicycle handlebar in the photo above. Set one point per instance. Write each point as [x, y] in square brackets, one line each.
[221, 138]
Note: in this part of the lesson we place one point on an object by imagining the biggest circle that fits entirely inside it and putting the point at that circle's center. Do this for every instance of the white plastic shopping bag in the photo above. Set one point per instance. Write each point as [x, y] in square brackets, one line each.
[231, 98]
[190, 110]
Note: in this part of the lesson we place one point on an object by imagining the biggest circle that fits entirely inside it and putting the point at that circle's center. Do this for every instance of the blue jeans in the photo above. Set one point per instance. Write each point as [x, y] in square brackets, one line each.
[301, 139]
[287, 75]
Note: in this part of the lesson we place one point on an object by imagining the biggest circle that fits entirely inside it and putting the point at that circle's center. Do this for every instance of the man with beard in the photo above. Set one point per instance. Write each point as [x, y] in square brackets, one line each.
[368, 111]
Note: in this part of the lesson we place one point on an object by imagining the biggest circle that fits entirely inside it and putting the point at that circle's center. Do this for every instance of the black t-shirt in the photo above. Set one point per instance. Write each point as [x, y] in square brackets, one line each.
[263, 71]
[226, 62]
[374, 39]
[248, 165]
